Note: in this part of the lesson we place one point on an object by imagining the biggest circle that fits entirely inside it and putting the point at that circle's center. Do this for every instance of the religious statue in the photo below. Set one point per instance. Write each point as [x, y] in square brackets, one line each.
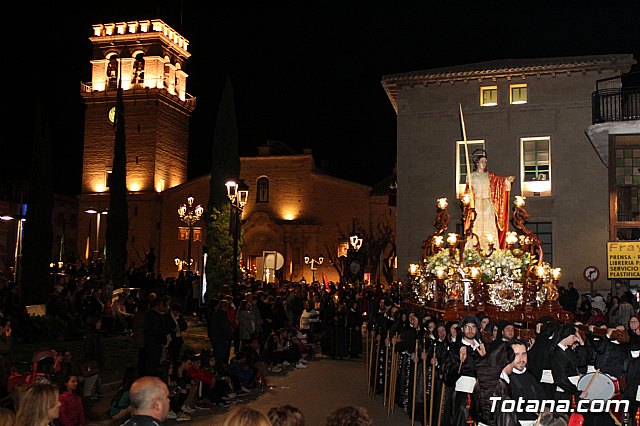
[490, 199]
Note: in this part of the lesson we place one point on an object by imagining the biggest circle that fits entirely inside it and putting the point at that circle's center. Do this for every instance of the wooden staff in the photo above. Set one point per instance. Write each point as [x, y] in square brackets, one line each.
[586, 390]
[394, 379]
[466, 154]
[367, 371]
[370, 362]
[375, 381]
[441, 403]
[415, 377]
[433, 387]
[386, 367]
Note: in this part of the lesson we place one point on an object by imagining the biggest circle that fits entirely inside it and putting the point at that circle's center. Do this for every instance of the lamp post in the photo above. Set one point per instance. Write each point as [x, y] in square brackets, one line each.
[313, 262]
[190, 215]
[238, 195]
[98, 214]
[17, 260]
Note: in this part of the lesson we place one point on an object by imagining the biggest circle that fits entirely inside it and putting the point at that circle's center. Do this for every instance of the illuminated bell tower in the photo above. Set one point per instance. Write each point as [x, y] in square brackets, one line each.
[146, 58]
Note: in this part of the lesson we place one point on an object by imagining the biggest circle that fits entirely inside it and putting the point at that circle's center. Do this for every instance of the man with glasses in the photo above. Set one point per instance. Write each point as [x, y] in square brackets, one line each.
[461, 370]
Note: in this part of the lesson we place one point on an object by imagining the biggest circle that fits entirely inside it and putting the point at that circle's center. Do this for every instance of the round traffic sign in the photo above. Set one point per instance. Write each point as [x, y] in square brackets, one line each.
[591, 273]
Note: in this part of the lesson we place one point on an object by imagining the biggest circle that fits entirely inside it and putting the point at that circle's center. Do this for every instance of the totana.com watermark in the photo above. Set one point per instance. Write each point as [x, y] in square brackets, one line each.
[522, 405]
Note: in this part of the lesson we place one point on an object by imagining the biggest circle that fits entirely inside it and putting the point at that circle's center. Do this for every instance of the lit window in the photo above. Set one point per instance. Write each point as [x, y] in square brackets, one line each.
[518, 94]
[183, 233]
[489, 96]
[107, 179]
[536, 165]
[461, 162]
[262, 195]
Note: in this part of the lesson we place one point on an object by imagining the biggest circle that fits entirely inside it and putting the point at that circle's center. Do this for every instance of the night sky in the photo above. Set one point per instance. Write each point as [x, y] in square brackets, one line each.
[304, 74]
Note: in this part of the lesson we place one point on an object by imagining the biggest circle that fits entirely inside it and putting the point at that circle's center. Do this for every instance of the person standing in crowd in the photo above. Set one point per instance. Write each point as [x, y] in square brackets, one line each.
[573, 297]
[563, 363]
[354, 327]
[6, 354]
[308, 318]
[39, 405]
[506, 331]
[538, 356]
[220, 333]
[176, 325]
[93, 356]
[150, 397]
[155, 337]
[519, 381]
[246, 323]
[461, 369]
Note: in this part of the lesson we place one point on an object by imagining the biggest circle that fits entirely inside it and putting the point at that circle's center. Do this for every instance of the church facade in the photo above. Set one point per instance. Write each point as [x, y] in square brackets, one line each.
[531, 118]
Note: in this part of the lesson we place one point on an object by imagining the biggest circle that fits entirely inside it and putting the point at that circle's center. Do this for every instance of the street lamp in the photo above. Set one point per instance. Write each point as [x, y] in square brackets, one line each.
[313, 262]
[18, 251]
[190, 215]
[98, 213]
[180, 263]
[238, 195]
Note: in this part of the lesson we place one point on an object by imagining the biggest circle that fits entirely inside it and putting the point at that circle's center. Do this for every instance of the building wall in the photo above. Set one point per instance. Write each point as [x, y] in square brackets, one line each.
[144, 211]
[307, 213]
[559, 106]
[157, 137]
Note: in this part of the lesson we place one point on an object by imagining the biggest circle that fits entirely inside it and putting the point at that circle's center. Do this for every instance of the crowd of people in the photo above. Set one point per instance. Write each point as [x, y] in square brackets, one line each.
[255, 329]
[450, 373]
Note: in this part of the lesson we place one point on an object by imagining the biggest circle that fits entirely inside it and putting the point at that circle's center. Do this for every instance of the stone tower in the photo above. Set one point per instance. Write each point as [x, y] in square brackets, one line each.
[146, 58]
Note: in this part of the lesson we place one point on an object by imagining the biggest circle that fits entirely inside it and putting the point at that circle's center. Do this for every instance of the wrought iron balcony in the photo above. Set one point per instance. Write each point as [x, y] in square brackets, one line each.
[620, 104]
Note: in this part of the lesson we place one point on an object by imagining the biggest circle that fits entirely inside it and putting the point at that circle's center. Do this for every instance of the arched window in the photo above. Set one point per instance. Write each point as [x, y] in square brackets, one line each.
[262, 195]
[138, 69]
[113, 70]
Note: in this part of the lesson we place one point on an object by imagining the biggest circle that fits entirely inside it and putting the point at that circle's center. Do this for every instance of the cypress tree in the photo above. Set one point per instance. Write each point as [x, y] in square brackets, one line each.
[35, 277]
[117, 232]
[225, 166]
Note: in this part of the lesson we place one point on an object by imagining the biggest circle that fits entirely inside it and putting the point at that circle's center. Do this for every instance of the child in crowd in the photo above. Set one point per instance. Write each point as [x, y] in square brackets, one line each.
[71, 409]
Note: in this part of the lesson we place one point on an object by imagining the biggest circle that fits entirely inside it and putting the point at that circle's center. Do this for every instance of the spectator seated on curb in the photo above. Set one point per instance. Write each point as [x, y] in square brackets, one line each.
[255, 362]
[213, 390]
[121, 407]
[300, 340]
[177, 398]
[238, 367]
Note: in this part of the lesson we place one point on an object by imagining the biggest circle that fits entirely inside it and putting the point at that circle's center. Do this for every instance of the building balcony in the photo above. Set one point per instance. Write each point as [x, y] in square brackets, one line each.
[618, 104]
[87, 89]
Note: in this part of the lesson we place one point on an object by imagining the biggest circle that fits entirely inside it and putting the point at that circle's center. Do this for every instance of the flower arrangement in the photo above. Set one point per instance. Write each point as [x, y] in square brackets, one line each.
[503, 263]
[438, 260]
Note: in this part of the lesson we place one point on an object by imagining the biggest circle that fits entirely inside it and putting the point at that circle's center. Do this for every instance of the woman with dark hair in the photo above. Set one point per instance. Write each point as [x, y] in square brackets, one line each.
[71, 408]
[563, 363]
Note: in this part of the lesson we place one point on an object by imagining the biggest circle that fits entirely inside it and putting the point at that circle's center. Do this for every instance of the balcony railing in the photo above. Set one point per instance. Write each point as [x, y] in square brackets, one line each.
[88, 88]
[621, 104]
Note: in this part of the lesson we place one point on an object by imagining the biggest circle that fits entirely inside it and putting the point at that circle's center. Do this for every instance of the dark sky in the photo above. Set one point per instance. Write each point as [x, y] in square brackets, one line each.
[305, 73]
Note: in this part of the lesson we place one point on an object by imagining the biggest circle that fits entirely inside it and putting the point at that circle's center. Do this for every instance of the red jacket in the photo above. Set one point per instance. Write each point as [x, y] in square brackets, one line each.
[204, 376]
[71, 410]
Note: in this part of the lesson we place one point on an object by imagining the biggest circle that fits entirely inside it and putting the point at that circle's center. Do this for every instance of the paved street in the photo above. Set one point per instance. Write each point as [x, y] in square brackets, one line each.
[327, 384]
